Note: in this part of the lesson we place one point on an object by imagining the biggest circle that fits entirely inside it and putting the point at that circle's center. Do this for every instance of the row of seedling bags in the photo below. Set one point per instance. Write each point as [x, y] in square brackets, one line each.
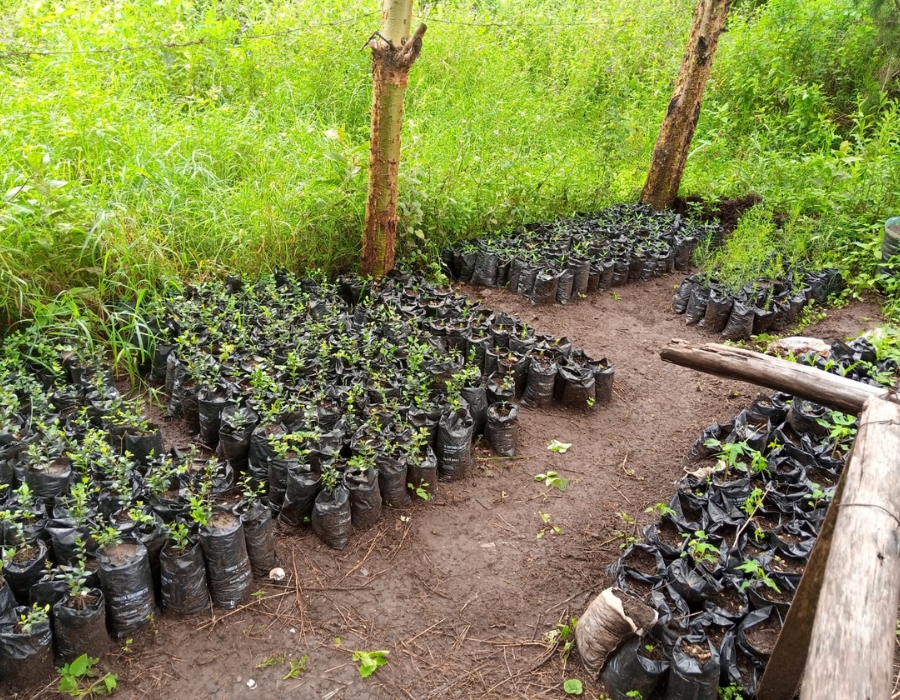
[385, 442]
[572, 258]
[709, 586]
[761, 307]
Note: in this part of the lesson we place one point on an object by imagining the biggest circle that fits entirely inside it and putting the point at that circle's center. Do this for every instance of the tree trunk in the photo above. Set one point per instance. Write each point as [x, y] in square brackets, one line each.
[674, 140]
[392, 56]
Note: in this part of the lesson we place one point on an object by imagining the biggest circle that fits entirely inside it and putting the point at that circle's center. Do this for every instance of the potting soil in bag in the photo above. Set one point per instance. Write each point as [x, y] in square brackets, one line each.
[545, 286]
[609, 619]
[454, 444]
[159, 366]
[144, 447]
[503, 428]
[422, 472]
[696, 307]
[581, 271]
[525, 281]
[79, 626]
[564, 286]
[302, 488]
[260, 538]
[476, 397]
[683, 295]
[51, 481]
[485, 272]
[718, 309]
[25, 657]
[465, 263]
[183, 575]
[630, 669]
[762, 320]
[25, 569]
[47, 591]
[227, 564]
[365, 497]
[604, 378]
[577, 388]
[740, 322]
[694, 673]
[234, 434]
[758, 633]
[392, 481]
[541, 382]
[331, 517]
[127, 586]
[7, 603]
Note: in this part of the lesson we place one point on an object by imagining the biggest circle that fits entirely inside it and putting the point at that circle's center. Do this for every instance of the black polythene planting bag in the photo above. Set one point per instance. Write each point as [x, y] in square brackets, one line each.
[422, 472]
[392, 480]
[365, 497]
[718, 309]
[331, 517]
[259, 535]
[20, 577]
[683, 295]
[691, 678]
[227, 564]
[127, 586]
[503, 428]
[696, 308]
[183, 577]
[628, 670]
[539, 388]
[25, 656]
[80, 630]
[740, 322]
[454, 444]
[577, 388]
[302, 488]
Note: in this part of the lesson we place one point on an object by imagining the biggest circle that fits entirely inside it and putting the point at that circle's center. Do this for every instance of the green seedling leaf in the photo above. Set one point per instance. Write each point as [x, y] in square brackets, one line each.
[573, 686]
[369, 661]
[557, 446]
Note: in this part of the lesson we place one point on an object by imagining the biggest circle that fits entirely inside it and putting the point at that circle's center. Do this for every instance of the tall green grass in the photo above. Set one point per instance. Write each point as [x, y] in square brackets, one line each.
[246, 149]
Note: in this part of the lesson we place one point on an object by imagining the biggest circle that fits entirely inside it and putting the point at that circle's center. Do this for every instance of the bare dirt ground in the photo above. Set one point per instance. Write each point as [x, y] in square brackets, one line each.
[461, 591]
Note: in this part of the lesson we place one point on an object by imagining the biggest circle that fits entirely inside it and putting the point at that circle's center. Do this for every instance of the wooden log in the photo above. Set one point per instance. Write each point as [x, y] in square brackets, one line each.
[791, 377]
[851, 653]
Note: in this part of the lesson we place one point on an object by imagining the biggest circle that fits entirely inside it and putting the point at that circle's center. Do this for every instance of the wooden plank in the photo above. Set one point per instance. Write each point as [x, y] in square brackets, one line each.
[753, 367]
[851, 652]
[784, 671]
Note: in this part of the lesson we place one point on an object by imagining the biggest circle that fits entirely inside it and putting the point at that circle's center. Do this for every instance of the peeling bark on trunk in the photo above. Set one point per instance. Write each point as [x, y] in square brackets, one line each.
[392, 57]
[674, 140]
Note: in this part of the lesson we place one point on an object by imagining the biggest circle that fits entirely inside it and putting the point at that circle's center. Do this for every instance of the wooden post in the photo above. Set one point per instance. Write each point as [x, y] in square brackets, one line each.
[392, 57]
[785, 668]
[794, 378]
[677, 129]
[851, 655]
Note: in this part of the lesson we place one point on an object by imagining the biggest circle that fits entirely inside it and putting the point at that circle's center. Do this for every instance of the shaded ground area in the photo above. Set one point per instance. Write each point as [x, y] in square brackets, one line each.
[461, 591]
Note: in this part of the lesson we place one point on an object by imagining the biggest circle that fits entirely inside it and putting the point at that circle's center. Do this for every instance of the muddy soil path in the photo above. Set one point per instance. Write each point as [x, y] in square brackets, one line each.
[461, 591]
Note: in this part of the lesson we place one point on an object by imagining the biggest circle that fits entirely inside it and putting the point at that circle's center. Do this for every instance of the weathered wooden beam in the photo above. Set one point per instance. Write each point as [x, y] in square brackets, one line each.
[784, 671]
[774, 373]
[851, 653]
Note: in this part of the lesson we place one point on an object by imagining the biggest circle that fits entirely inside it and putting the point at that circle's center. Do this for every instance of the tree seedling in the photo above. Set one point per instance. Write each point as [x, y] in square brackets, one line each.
[547, 526]
[563, 635]
[731, 692]
[552, 480]
[559, 447]
[659, 509]
[369, 661]
[274, 660]
[298, 666]
[753, 569]
[700, 549]
[421, 490]
[80, 680]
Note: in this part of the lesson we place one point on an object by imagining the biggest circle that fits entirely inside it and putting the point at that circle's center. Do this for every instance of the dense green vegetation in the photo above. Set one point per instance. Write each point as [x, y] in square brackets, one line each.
[153, 139]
